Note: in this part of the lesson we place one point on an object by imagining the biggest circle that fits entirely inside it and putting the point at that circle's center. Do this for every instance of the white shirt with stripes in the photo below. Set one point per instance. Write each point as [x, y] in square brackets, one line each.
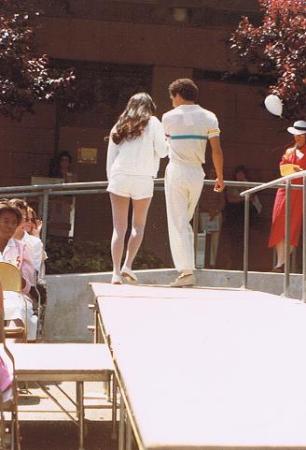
[188, 127]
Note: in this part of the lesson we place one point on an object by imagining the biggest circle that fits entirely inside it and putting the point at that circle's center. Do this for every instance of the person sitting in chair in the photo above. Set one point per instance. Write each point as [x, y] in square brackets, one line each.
[16, 253]
[33, 243]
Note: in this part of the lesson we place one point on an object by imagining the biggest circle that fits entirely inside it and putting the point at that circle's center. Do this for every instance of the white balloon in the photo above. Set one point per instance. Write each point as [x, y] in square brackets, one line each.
[274, 104]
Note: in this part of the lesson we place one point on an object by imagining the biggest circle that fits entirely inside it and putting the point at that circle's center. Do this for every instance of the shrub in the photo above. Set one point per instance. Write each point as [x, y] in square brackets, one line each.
[75, 256]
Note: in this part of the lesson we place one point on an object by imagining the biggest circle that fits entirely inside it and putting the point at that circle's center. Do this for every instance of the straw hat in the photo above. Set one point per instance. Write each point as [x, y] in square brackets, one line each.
[299, 127]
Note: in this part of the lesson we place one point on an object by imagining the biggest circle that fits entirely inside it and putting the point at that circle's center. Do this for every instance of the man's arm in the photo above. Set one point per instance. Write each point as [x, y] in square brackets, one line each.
[217, 158]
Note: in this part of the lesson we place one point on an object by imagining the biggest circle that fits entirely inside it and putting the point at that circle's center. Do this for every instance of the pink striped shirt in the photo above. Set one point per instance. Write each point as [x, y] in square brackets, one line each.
[5, 377]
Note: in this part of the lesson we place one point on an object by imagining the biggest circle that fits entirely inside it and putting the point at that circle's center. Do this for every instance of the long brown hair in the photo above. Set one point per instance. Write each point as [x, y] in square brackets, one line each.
[134, 118]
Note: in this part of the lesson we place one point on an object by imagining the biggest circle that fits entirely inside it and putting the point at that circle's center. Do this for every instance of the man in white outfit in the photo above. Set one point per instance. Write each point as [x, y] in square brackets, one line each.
[188, 127]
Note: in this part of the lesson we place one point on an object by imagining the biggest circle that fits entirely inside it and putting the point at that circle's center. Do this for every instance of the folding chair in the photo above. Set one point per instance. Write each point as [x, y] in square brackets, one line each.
[9, 432]
[11, 280]
[38, 294]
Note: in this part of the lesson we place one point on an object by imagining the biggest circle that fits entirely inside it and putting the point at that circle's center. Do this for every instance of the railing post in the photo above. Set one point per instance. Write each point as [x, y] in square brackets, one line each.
[195, 225]
[246, 240]
[45, 216]
[287, 237]
[304, 241]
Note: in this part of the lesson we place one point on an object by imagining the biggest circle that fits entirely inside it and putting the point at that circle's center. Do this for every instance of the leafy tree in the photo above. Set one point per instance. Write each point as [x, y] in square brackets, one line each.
[277, 47]
[25, 77]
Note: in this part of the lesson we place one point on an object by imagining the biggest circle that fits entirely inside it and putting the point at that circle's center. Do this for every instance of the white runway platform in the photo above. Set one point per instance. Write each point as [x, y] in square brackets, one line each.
[209, 369]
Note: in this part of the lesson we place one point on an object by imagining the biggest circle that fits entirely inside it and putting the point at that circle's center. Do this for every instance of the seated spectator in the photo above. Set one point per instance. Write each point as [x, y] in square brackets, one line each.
[33, 225]
[33, 243]
[38, 293]
[15, 252]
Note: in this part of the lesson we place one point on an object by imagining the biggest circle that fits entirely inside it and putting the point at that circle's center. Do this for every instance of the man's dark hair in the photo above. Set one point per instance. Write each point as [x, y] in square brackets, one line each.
[186, 88]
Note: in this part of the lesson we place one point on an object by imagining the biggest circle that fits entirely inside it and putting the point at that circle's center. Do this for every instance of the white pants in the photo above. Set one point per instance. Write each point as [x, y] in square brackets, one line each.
[18, 306]
[183, 187]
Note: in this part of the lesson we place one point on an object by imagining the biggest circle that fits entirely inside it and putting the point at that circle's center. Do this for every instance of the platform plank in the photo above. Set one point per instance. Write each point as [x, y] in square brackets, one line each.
[61, 362]
[209, 369]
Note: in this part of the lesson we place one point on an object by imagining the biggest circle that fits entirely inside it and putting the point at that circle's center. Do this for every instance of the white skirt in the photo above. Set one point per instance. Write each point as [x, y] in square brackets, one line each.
[18, 306]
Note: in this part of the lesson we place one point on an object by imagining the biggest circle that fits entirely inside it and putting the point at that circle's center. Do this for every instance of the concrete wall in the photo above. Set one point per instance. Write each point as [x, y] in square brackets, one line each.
[68, 315]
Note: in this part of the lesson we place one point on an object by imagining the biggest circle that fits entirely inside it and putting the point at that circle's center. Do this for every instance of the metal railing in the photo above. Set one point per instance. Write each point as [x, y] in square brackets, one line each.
[227, 183]
[284, 182]
[44, 191]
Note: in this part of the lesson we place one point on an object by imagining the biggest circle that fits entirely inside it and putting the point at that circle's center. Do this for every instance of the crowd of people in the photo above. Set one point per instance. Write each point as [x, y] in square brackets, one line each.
[137, 142]
[21, 246]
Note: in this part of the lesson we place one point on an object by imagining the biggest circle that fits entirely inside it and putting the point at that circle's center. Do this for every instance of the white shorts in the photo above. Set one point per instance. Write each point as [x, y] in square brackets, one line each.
[136, 187]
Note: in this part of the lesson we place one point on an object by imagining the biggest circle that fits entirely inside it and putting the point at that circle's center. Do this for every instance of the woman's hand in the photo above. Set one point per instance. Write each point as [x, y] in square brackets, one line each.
[297, 168]
[37, 228]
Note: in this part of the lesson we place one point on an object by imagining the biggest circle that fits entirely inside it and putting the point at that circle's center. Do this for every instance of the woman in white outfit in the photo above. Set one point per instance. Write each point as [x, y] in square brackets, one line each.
[136, 144]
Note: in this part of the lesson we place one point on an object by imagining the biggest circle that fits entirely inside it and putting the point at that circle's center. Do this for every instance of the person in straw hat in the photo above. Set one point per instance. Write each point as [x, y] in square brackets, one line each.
[293, 160]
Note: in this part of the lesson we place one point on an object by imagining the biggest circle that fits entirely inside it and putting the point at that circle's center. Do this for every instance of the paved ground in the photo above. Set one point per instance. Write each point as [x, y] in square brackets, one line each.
[44, 426]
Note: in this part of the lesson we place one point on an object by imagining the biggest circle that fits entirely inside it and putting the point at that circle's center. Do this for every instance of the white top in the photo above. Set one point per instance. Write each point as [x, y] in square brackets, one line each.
[36, 249]
[188, 127]
[139, 156]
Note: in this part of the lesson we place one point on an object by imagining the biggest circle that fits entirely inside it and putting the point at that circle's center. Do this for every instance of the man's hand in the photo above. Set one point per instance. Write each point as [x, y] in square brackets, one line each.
[219, 185]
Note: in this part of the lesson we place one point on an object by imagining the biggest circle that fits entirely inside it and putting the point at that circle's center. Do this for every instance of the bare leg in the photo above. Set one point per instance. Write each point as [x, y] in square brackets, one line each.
[140, 212]
[280, 252]
[120, 209]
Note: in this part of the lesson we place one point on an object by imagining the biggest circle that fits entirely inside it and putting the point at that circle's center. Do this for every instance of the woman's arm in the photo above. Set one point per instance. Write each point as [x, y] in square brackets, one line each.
[160, 143]
[288, 164]
[27, 271]
[112, 153]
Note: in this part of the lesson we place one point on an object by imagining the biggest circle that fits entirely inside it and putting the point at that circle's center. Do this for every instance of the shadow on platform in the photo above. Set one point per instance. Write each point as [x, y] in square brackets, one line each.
[63, 435]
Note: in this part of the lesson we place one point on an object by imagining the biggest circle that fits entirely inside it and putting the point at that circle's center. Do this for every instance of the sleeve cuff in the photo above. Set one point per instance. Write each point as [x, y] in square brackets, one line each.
[213, 133]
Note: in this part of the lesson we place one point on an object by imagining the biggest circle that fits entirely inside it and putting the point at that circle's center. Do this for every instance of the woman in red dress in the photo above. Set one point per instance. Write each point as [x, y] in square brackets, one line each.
[296, 157]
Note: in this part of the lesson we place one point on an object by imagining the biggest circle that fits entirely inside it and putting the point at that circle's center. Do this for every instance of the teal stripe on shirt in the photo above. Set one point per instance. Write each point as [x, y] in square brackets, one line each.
[189, 136]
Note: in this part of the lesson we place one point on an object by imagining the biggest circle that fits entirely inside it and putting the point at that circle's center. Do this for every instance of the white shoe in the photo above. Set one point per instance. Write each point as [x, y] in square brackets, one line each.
[185, 279]
[117, 279]
[129, 275]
